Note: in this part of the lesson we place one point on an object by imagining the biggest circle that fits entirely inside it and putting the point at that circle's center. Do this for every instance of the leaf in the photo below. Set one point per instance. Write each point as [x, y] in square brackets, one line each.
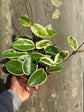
[23, 45]
[29, 65]
[38, 39]
[37, 55]
[24, 37]
[24, 20]
[51, 33]
[42, 44]
[61, 56]
[46, 60]
[11, 53]
[48, 55]
[37, 78]
[55, 69]
[39, 30]
[73, 42]
[52, 50]
[15, 67]
[22, 58]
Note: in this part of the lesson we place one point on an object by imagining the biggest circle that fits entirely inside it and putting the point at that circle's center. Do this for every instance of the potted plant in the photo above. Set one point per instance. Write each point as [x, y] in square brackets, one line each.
[33, 58]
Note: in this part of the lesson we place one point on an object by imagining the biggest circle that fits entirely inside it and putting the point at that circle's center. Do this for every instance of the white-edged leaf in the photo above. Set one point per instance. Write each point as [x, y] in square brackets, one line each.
[24, 20]
[37, 78]
[29, 65]
[12, 53]
[23, 45]
[39, 30]
[42, 44]
[47, 61]
[73, 42]
[23, 37]
[14, 66]
[56, 68]
[52, 50]
[37, 55]
[51, 33]
[61, 56]
[22, 58]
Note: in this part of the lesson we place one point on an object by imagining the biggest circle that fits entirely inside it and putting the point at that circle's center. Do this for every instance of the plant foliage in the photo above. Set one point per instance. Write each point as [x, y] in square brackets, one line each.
[34, 56]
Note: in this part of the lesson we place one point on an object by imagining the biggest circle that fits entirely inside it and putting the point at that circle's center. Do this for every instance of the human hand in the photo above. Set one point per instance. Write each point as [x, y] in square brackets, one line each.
[19, 85]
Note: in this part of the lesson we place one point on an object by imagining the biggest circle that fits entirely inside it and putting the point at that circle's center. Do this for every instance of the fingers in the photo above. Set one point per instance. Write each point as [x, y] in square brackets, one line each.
[29, 89]
[36, 88]
[13, 79]
[22, 82]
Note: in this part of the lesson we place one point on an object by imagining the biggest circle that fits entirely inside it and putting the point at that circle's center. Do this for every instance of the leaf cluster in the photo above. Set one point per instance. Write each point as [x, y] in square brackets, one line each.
[35, 56]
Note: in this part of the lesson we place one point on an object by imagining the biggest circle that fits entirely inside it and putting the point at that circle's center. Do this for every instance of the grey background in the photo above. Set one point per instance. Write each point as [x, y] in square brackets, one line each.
[63, 91]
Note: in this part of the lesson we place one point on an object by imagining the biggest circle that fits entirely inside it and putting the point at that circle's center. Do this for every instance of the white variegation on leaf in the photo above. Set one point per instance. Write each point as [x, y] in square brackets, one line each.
[23, 45]
[29, 65]
[42, 44]
[24, 20]
[56, 68]
[61, 56]
[22, 58]
[14, 66]
[23, 37]
[47, 61]
[73, 42]
[37, 55]
[37, 78]
[51, 33]
[52, 50]
[39, 30]
[12, 53]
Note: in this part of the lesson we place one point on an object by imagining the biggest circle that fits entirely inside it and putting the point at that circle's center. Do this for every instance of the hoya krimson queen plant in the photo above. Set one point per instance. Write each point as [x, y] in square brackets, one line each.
[36, 57]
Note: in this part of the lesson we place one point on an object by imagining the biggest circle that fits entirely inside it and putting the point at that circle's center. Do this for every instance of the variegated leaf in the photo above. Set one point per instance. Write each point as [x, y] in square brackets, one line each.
[61, 56]
[42, 44]
[37, 78]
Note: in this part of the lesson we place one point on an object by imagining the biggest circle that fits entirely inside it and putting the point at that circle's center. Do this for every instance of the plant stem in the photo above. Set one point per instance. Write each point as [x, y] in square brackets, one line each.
[31, 12]
[74, 52]
[26, 8]
[80, 46]
[80, 51]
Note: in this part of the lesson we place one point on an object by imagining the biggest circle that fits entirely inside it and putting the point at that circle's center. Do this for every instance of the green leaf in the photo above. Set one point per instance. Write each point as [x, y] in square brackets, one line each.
[24, 20]
[73, 42]
[11, 53]
[29, 65]
[42, 44]
[39, 30]
[22, 58]
[48, 55]
[61, 56]
[38, 39]
[47, 61]
[52, 50]
[55, 69]
[24, 37]
[14, 67]
[37, 78]
[23, 45]
[37, 55]
[51, 33]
